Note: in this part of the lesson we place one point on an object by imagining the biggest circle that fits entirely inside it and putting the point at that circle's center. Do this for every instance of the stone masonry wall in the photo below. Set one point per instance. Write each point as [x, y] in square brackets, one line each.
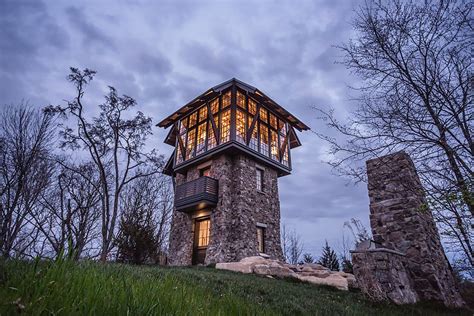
[381, 274]
[400, 219]
[234, 220]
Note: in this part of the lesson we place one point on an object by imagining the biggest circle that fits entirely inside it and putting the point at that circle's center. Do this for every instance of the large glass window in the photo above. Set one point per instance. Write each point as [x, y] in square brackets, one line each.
[197, 134]
[254, 137]
[240, 128]
[215, 106]
[264, 139]
[225, 126]
[252, 107]
[201, 138]
[241, 100]
[203, 113]
[226, 99]
[212, 141]
[192, 119]
[274, 145]
[190, 152]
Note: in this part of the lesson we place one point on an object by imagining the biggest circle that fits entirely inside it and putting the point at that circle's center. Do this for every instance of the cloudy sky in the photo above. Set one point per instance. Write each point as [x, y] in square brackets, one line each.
[165, 53]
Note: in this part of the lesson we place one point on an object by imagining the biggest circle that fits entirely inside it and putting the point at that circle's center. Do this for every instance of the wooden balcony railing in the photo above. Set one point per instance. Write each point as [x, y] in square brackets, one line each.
[196, 194]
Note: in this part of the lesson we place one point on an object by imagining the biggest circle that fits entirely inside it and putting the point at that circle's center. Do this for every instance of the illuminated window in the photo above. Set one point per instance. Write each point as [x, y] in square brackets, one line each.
[261, 239]
[225, 126]
[282, 127]
[274, 145]
[212, 141]
[203, 113]
[263, 139]
[254, 138]
[273, 121]
[191, 142]
[259, 179]
[183, 126]
[263, 114]
[252, 107]
[215, 106]
[179, 156]
[284, 159]
[204, 229]
[241, 100]
[240, 120]
[193, 119]
[226, 99]
[201, 139]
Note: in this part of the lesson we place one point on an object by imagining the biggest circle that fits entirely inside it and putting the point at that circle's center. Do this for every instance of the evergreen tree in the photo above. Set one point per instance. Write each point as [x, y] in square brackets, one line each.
[329, 258]
[347, 265]
[307, 258]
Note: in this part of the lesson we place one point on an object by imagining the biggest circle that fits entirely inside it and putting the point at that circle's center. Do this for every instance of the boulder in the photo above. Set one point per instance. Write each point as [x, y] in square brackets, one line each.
[332, 280]
[273, 269]
[316, 266]
[316, 273]
[254, 260]
[235, 266]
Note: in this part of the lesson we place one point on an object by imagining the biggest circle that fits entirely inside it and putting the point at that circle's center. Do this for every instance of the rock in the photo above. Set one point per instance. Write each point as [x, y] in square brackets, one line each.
[316, 266]
[274, 269]
[332, 280]
[254, 260]
[235, 266]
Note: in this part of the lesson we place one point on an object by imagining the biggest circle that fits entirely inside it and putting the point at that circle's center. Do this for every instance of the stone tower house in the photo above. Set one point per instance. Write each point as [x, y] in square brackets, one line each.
[232, 143]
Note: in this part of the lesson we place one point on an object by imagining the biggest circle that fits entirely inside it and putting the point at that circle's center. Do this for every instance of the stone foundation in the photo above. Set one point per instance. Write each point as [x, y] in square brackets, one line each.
[381, 274]
[400, 219]
[234, 220]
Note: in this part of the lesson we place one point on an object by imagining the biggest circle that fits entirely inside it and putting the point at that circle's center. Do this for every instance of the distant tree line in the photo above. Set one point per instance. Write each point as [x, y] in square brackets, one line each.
[81, 186]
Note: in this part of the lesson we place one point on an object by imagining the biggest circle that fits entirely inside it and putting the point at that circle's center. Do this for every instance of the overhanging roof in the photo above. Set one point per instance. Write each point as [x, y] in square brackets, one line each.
[252, 91]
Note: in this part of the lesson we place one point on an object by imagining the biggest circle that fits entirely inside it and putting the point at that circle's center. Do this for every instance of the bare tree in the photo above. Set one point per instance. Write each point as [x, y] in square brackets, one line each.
[69, 211]
[115, 145]
[292, 245]
[26, 136]
[415, 59]
[146, 205]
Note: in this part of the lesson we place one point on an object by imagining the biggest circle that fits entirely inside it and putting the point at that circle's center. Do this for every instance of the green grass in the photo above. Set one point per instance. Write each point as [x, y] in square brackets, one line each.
[88, 288]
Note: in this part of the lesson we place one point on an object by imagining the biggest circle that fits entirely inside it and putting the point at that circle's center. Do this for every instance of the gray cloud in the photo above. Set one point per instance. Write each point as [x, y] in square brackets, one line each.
[165, 53]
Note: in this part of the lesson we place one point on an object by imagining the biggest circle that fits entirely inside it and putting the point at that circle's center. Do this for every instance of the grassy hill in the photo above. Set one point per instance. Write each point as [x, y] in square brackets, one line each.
[67, 288]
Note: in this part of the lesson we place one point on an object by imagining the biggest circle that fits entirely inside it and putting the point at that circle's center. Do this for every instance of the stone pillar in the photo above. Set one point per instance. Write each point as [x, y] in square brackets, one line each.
[401, 220]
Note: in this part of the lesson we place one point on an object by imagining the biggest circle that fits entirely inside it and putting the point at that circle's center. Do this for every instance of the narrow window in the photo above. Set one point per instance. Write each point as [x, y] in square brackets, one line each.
[205, 172]
[215, 106]
[203, 113]
[190, 153]
[259, 179]
[226, 99]
[254, 137]
[252, 107]
[241, 100]
[263, 140]
[201, 139]
[241, 117]
[274, 145]
[225, 126]
[193, 119]
[261, 239]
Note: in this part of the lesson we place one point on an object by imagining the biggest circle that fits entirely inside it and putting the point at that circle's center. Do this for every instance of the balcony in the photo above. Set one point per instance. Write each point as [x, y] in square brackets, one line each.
[196, 195]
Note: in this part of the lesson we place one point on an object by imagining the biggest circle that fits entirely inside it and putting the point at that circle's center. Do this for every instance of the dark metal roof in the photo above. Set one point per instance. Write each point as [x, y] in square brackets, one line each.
[214, 91]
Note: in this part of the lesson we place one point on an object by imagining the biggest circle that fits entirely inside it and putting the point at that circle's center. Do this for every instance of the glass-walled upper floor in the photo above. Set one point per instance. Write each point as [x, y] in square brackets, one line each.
[236, 118]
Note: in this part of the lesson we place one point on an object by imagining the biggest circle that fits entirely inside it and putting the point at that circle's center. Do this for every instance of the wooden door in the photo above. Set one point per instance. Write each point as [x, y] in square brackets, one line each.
[202, 228]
